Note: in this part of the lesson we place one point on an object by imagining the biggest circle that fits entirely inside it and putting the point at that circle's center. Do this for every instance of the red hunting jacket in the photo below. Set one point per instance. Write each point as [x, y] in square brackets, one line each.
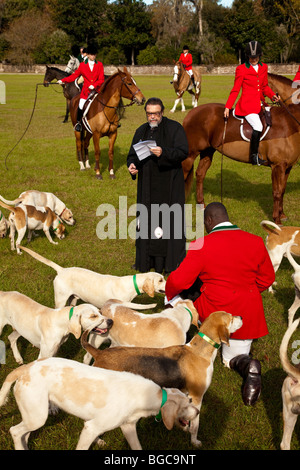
[254, 87]
[187, 60]
[235, 268]
[93, 77]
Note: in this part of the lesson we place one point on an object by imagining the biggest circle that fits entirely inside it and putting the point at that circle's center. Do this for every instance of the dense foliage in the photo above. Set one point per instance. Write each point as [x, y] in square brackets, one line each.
[132, 32]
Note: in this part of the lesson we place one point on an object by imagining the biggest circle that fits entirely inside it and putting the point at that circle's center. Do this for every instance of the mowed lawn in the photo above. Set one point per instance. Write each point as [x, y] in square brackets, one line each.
[45, 160]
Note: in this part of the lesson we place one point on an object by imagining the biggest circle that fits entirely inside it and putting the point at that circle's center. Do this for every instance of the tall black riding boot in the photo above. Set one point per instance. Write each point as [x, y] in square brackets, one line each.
[78, 126]
[250, 370]
[254, 143]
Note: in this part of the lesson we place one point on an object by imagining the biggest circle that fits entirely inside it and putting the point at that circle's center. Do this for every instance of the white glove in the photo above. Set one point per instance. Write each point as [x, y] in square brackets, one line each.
[91, 87]
[59, 82]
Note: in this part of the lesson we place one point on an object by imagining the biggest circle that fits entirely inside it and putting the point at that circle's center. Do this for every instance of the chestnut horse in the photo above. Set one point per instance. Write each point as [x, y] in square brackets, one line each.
[102, 119]
[182, 82]
[280, 148]
[287, 89]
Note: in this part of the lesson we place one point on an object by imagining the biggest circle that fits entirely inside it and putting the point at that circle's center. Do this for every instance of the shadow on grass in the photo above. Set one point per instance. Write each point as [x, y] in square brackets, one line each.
[242, 189]
[271, 397]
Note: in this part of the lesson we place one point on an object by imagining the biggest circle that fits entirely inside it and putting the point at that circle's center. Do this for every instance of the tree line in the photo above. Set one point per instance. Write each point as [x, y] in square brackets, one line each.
[131, 32]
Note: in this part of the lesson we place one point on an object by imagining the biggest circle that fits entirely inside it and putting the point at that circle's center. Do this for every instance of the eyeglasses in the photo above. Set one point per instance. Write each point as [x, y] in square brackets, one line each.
[157, 114]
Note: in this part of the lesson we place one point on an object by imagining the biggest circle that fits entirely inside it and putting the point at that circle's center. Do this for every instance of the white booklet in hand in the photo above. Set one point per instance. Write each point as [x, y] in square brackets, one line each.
[142, 148]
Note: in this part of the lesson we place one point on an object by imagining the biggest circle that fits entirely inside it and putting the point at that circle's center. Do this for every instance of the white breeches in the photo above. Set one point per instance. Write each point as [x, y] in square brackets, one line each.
[237, 347]
[190, 72]
[81, 103]
[254, 121]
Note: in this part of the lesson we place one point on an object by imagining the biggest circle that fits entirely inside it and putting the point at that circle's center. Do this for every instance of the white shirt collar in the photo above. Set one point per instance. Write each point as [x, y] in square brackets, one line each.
[222, 224]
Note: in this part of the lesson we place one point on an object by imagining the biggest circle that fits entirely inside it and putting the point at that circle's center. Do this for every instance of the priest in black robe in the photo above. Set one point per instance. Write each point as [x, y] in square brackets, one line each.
[160, 231]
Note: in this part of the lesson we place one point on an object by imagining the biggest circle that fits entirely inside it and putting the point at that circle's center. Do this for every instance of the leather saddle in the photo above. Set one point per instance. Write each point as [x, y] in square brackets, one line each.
[245, 128]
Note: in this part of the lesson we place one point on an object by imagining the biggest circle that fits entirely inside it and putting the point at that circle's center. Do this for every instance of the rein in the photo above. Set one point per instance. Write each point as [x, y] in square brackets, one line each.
[288, 111]
[119, 106]
[222, 155]
[33, 109]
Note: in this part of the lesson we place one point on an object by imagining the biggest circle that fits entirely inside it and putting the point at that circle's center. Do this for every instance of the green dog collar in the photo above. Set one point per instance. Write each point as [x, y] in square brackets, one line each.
[163, 401]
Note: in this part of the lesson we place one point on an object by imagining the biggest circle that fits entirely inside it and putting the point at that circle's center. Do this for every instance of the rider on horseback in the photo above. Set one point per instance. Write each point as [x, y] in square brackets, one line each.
[252, 77]
[93, 73]
[187, 61]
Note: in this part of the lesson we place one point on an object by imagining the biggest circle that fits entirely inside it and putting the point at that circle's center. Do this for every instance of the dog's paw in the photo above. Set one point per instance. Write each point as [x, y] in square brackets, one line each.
[100, 442]
[196, 443]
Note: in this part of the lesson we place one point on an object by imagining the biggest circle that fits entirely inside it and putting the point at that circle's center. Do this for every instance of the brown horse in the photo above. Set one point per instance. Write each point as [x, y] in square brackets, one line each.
[280, 148]
[102, 118]
[285, 87]
[182, 82]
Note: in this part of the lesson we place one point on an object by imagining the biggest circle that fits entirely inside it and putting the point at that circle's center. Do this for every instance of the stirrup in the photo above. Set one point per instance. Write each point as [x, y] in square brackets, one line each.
[78, 127]
[255, 160]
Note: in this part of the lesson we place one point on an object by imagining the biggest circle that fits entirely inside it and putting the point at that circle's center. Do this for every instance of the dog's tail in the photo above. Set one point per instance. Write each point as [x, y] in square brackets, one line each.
[9, 381]
[137, 306]
[295, 265]
[86, 345]
[11, 209]
[10, 203]
[42, 259]
[287, 366]
[266, 226]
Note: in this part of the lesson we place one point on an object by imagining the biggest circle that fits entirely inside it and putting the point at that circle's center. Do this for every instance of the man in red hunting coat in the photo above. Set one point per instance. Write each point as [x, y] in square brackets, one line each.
[234, 268]
[252, 78]
[93, 73]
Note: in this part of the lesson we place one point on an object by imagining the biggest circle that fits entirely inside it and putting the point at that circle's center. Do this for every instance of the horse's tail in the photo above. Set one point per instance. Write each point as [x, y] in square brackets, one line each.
[189, 182]
[265, 225]
[40, 258]
[291, 370]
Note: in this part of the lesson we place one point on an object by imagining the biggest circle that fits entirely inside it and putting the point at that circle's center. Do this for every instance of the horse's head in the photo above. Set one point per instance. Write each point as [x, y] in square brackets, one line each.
[47, 79]
[72, 65]
[129, 89]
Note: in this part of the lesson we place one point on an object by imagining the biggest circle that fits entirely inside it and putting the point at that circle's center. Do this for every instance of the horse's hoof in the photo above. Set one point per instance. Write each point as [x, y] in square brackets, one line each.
[112, 177]
[99, 177]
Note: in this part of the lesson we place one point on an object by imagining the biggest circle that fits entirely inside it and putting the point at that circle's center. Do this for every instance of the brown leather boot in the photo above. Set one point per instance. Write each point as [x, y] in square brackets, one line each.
[250, 370]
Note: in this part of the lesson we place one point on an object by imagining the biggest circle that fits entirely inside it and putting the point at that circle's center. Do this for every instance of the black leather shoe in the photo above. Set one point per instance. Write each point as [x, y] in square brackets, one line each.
[250, 370]
[252, 385]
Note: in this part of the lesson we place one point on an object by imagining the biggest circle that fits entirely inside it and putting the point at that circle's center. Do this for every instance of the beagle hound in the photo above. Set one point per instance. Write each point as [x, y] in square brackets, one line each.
[296, 278]
[157, 330]
[24, 217]
[188, 367]
[96, 288]
[277, 241]
[3, 226]
[44, 327]
[290, 389]
[104, 399]
[40, 199]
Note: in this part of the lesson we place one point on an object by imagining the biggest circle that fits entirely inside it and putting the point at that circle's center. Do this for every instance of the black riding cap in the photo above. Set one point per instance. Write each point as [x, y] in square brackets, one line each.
[253, 49]
[91, 50]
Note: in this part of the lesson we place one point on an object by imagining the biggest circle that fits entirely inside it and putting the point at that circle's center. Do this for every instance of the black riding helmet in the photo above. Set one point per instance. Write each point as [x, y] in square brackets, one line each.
[253, 49]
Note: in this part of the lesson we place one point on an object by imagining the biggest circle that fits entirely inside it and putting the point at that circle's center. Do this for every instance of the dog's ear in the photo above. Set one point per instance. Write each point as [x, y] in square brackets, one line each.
[169, 413]
[75, 325]
[224, 334]
[148, 287]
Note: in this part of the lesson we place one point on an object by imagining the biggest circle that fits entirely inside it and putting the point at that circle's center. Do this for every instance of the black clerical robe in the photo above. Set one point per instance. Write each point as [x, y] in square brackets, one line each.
[161, 194]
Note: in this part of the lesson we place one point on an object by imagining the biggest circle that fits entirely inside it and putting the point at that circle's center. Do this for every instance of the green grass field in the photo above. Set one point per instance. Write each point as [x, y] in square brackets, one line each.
[45, 159]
